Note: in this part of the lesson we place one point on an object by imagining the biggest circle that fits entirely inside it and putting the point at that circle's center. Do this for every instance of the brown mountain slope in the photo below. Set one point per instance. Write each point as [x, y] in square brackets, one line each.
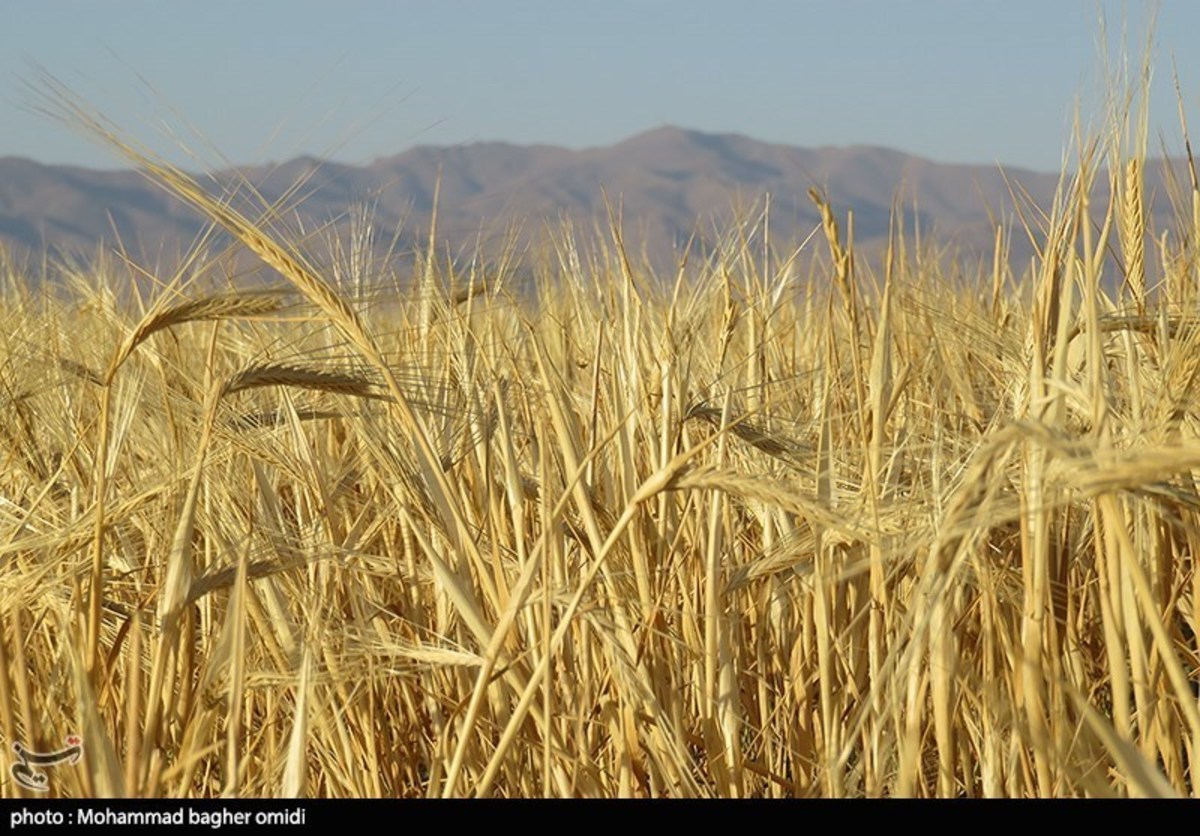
[669, 183]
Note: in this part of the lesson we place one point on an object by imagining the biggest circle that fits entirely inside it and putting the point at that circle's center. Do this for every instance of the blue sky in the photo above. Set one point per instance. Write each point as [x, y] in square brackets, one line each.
[956, 80]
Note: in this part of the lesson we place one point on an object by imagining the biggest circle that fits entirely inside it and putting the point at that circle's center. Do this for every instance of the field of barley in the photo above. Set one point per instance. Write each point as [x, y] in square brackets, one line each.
[768, 527]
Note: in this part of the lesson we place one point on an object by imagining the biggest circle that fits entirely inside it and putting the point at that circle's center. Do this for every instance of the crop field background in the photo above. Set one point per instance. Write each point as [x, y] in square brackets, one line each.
[759, 528]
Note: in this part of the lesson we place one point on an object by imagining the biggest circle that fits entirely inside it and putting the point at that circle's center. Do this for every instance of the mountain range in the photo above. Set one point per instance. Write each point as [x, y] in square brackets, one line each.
[670, 183]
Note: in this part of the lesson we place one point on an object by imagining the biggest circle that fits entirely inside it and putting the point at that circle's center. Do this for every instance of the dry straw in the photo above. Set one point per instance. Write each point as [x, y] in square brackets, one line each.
[739, 532]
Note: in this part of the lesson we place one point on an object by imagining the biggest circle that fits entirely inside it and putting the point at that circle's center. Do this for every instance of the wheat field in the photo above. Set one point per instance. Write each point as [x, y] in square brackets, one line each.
[755, 529]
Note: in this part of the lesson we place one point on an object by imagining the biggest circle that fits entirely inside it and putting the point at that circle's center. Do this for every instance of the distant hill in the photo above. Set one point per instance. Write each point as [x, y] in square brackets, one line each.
[670, 182]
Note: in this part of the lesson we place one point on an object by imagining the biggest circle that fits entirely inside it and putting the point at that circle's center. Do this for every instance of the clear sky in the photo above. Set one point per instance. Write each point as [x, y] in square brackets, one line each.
[955, 80]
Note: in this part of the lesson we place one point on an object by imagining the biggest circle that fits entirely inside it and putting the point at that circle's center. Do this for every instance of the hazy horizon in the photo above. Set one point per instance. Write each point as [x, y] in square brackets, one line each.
[116, 165]
[275, 80]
